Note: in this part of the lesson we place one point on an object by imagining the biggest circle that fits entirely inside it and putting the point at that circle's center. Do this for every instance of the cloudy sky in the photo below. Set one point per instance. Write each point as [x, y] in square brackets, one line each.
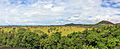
[56, 12]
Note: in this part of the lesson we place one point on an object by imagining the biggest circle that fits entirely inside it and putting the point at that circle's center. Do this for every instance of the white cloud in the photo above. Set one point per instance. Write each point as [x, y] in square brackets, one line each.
[48, 6]
[58, 9]
[93, 9]
[49, 12]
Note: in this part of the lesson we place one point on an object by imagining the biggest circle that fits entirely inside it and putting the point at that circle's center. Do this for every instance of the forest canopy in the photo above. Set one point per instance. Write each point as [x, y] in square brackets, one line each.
[102, 37]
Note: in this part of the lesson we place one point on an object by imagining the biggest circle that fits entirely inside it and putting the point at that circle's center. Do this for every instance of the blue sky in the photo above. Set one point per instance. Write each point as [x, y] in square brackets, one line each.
[56, 12]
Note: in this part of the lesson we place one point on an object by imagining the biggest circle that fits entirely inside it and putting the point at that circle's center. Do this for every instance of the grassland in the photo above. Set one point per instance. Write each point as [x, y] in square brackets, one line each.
[104, 35]
[46, 29]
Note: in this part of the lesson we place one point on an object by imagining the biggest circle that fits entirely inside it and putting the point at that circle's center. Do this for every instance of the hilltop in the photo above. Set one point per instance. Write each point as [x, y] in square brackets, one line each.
[104, 22]
[99, 23]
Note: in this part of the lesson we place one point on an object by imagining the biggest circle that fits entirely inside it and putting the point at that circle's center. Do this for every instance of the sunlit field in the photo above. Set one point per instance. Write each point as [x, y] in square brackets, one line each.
[64, 30]
[104, 36]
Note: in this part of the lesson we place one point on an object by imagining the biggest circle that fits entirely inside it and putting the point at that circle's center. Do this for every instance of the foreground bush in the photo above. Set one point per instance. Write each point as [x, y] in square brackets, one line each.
[103, 37]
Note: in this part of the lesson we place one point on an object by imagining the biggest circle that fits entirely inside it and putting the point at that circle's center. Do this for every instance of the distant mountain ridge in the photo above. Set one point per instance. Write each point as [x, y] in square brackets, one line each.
[99, 23]
[72, 24]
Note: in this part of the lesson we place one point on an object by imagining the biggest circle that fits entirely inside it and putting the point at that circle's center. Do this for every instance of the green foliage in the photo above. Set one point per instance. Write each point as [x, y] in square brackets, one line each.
[102, 37]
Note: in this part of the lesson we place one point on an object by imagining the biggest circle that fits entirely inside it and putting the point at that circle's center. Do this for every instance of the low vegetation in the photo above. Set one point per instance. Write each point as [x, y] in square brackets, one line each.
[46, 29]
[101, 37]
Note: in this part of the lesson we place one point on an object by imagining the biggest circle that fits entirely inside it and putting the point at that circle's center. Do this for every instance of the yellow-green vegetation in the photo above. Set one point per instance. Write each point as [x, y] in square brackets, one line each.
[100, 37]
[64, 30]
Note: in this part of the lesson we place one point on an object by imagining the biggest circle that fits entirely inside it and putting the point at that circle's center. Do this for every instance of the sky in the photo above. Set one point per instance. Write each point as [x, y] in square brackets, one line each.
[58, 12]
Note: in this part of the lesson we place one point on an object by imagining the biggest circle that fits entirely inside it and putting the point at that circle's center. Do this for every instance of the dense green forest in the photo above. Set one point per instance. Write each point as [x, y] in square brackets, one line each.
[102, 37]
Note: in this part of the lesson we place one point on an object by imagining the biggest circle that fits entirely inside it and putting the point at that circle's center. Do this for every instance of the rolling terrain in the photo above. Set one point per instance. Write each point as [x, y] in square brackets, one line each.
[103, 35]
[63, 29]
